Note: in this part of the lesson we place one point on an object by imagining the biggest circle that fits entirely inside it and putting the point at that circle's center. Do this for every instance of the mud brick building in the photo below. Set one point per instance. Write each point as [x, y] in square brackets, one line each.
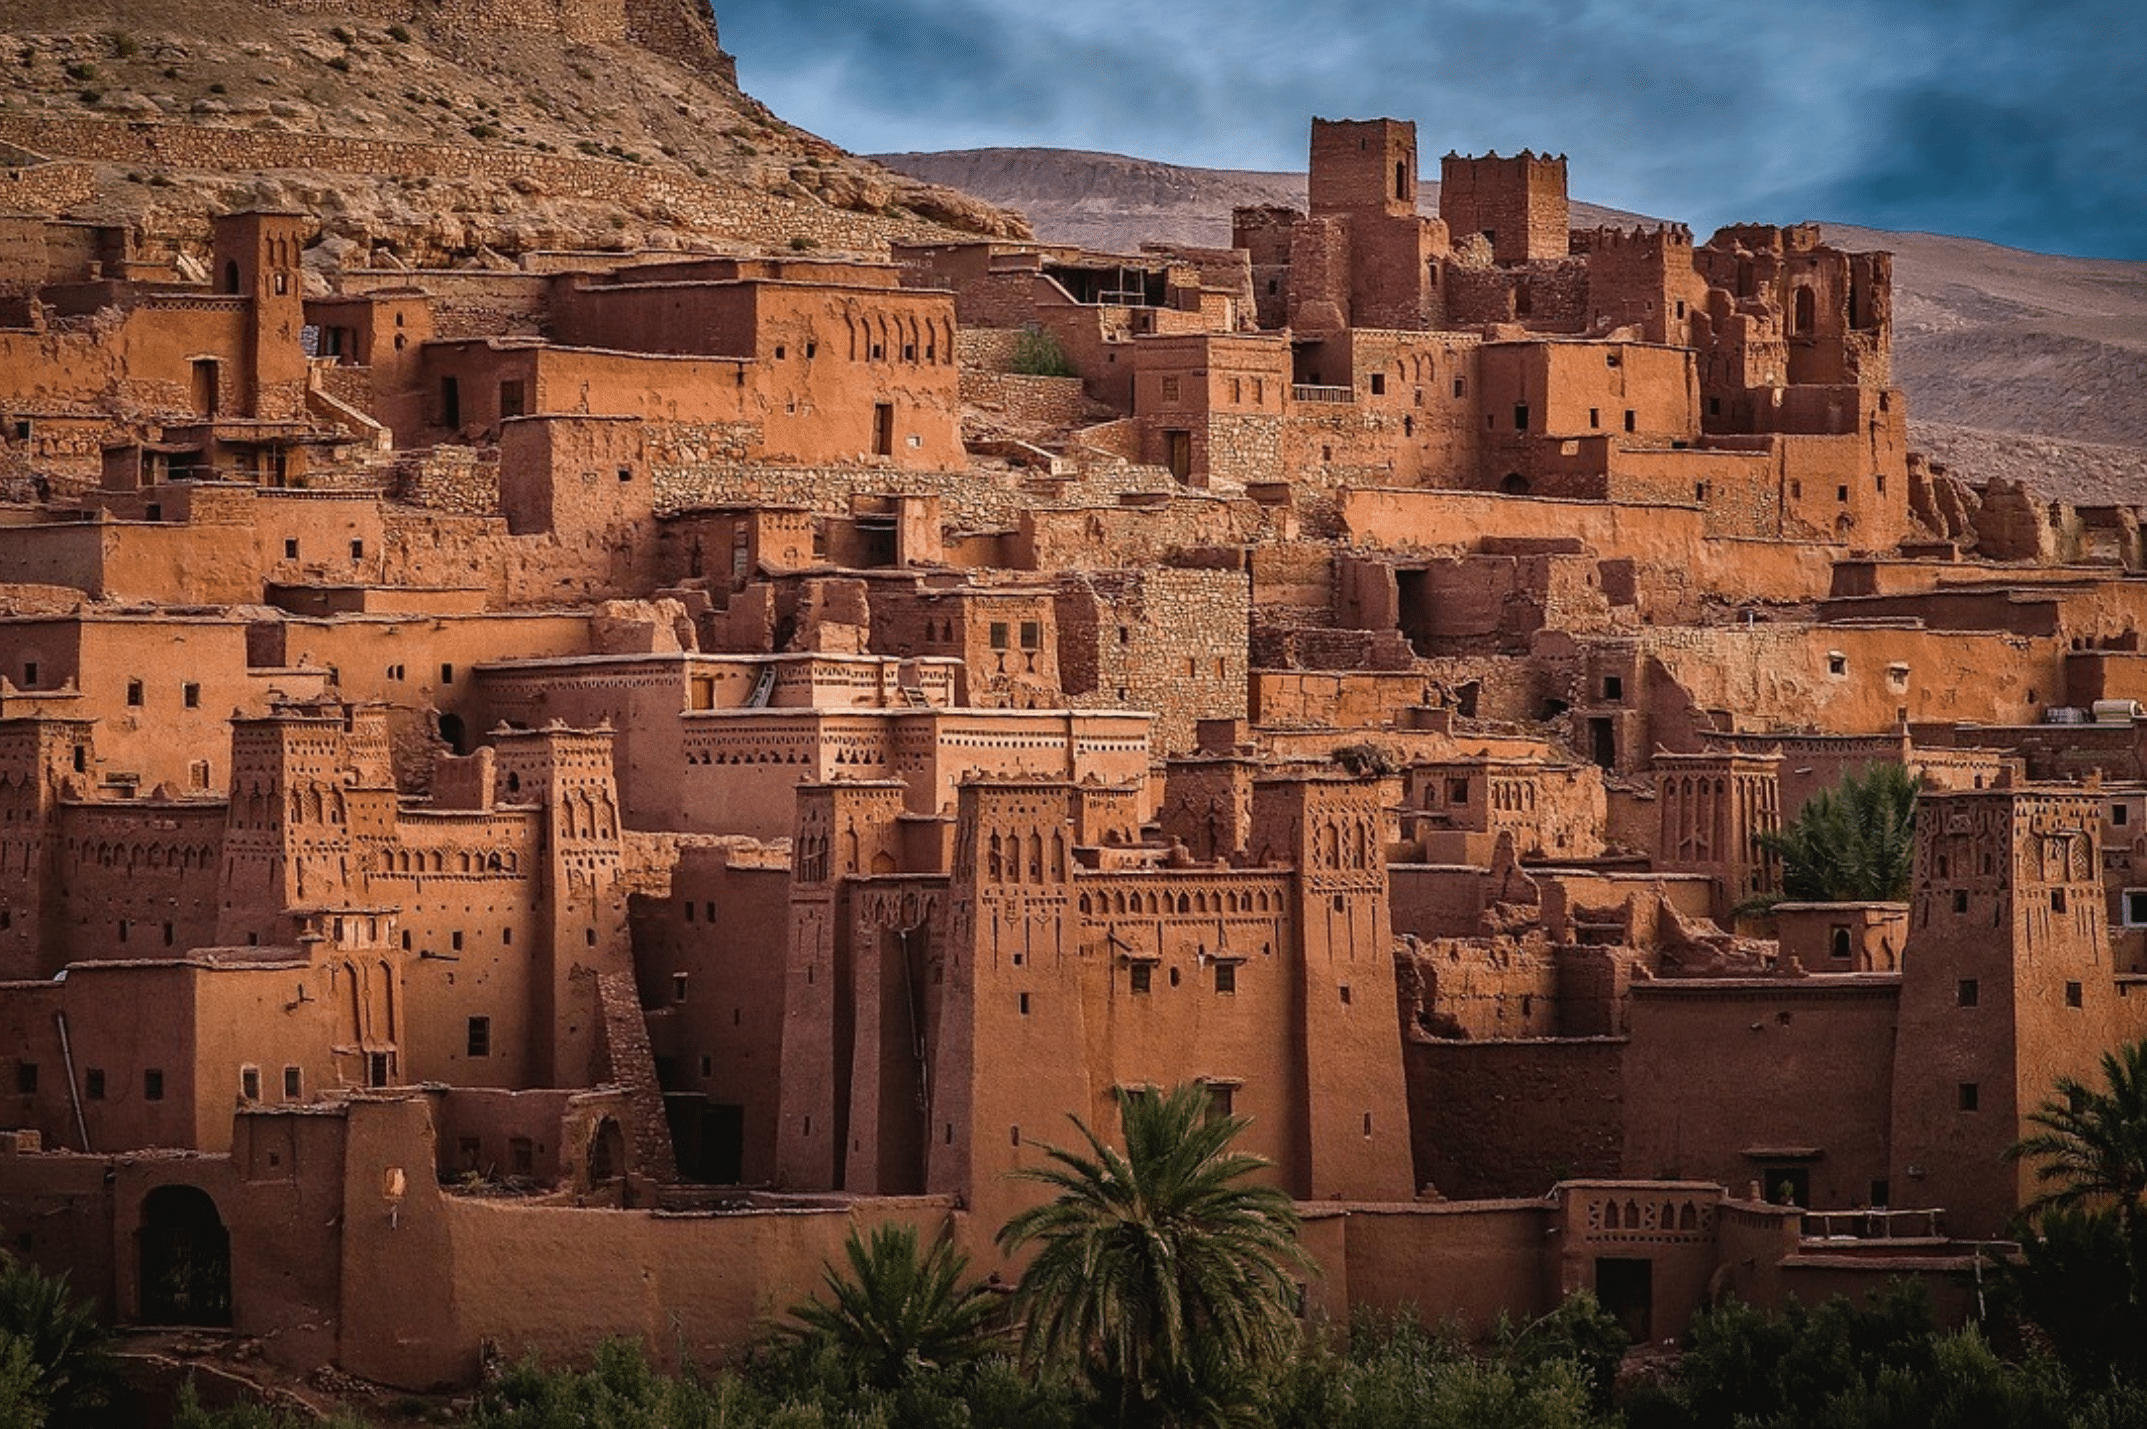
[538, 798]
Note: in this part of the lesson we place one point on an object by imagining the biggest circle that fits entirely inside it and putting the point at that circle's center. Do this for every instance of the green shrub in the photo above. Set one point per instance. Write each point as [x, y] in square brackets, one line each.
[399, 34]
[1038, 354]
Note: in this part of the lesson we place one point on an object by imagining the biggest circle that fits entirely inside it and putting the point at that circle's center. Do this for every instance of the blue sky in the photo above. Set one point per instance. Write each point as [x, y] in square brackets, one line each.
[2019, 121]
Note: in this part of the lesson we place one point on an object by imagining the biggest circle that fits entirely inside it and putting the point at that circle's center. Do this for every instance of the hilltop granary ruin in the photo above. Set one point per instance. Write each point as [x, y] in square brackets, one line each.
[536, 800]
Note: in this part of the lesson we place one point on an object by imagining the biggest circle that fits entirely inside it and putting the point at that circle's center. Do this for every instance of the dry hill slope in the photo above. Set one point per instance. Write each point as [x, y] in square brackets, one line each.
[2016, 364]
[438, 131]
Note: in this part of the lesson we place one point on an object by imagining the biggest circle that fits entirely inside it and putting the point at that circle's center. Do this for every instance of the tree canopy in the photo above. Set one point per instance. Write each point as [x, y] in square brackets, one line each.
[1855, 843]
[1164, 1269]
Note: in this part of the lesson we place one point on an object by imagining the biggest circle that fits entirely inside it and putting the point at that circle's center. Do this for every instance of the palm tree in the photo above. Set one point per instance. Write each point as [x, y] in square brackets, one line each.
[899, 1311]
[1162, 1270]
[45, 1329]
[1855, 843]
[2092, 1146]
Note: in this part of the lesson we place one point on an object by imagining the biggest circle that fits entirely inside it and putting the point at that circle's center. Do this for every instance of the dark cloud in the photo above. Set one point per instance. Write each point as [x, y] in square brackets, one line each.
[2001, 119]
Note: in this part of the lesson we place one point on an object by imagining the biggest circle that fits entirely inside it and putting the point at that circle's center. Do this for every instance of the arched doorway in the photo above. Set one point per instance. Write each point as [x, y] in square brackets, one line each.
[453, 733]
[1514, 484]
[607, 1153]
[185, 1259]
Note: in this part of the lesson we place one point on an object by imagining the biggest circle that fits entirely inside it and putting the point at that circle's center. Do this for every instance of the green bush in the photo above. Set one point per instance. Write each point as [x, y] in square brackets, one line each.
[1038, 354]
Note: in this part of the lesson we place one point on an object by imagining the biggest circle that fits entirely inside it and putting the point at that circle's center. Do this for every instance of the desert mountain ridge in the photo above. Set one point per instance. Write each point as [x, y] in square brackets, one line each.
[2019, 365]
[438, 133]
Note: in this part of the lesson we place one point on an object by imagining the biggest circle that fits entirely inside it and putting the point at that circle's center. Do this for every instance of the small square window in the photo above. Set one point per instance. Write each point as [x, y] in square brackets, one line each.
[2057, 900]
[1837, 663]
[153, 1085]
[1226, 977]
[190, 695]
[1141, 977]
[1632, 420]
[93, 1084]
[1222, 1101]
[454, 941]
[1024, 1004]
[447, 674]
[1613, 687]
[357, 550]
[2119, 814]
[1960, 900]
[1379, 384]
[290, 549]
[1967, 992]
[678, 987]
[134, 694]
[294, 1084]
[2072, 994]
[480, 1037]
[1967, 1095]
[998, 635]
[522, 1155]
[26, 1078]
[250, 1083]
[2135, 907]
[29, 673]
[1032, 634]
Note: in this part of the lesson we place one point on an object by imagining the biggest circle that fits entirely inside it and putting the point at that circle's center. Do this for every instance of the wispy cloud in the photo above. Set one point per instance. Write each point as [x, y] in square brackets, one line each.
[2004, 119]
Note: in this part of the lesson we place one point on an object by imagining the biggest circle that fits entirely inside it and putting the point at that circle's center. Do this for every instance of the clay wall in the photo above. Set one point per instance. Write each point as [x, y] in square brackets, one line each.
[1519, 201]
[1643, 279]
[159, 1048]
[1489, 1254]
[471, 901]
[711, 981]
[1856, 679]
[1809, 1090]
[136, 879]
[1570, 389]
[1507, 1117]
[1668, 546]
[162, 690]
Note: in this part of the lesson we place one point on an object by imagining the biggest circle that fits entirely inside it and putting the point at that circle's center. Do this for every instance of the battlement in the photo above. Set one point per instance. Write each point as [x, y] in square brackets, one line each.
[1364, 166]
[1517, 202]
[1768, 238]
[1659, 238]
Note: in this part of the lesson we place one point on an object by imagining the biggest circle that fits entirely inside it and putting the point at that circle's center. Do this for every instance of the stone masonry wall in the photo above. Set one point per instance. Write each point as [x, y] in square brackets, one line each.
[46, 188]
[1030, 401]
[457, 480]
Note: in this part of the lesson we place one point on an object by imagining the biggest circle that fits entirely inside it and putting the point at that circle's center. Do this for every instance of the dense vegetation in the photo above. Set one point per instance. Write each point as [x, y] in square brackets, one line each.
[1855, 843]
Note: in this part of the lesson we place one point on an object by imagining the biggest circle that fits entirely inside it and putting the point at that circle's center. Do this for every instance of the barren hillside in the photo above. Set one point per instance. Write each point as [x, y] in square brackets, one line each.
[2016, 364]
[433, 140]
